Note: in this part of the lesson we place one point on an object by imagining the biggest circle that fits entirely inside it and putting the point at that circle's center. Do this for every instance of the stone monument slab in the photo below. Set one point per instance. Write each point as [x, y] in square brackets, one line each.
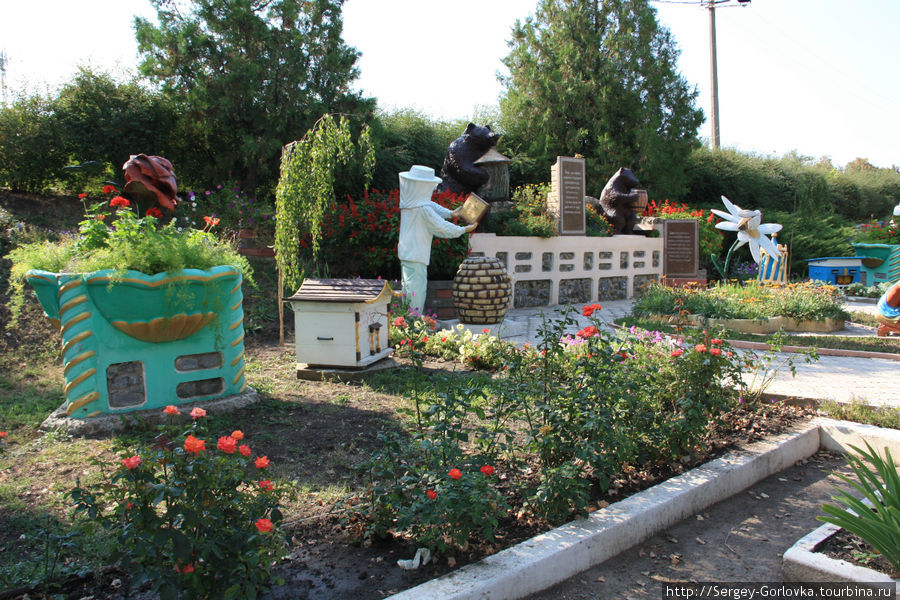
[681, 247]
[566, 198]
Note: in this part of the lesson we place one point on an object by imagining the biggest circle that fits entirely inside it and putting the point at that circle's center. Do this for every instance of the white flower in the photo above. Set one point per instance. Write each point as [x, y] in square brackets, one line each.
[749, 228]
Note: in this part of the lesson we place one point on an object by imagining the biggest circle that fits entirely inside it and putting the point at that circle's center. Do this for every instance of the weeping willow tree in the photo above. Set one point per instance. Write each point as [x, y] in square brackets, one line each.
[305, 192]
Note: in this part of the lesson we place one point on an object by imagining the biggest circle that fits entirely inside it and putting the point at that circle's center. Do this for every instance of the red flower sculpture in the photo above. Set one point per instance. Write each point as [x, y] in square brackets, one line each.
[151, 179]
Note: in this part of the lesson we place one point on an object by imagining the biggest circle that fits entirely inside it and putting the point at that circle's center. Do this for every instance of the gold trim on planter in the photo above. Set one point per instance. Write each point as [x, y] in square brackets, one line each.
[74, 320]
[75, 340]
[238, 376]
[236, 324]
[237, 359]
[77, 380]
[154, 284]
[84, 400]
[81, 357]
[165, 329]
[73, 302]
[237, 341]
[238, 305]
[65, 288]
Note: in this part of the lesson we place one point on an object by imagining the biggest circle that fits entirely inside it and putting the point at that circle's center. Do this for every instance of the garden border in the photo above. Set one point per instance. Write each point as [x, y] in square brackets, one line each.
[554, 556]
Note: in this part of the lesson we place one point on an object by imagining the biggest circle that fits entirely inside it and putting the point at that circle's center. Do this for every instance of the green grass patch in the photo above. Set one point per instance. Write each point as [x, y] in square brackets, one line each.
[880, 416]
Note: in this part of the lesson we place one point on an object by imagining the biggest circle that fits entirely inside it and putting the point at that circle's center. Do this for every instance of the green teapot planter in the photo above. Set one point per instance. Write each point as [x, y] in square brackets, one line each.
[134, 341]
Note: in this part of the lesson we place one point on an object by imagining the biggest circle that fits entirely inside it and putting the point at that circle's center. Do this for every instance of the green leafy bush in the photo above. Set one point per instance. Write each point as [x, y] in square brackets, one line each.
[190, 521]
[31, 149]
[560, 421]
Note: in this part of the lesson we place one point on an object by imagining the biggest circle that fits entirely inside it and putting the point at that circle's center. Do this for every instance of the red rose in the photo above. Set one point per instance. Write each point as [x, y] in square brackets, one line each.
[244, 449]
[715, 351]
[263, 525]
[431, 494]
[119, 201]
[227, 444]
[487, 470]
[262, 462]
[197, 412]
[455, 473]
[132, 462]
[266, 485]
[700, 348]
[170, 410]
[237, 434]
[676, 353]
[193, 445]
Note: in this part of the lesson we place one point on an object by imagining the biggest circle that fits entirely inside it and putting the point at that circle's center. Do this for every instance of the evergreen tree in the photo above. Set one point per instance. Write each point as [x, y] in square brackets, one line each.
[250, 76]
[599, 78]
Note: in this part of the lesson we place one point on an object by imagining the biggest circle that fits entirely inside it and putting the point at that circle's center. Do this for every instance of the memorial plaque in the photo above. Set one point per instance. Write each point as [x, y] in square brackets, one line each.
[681, 248]
[566, 198]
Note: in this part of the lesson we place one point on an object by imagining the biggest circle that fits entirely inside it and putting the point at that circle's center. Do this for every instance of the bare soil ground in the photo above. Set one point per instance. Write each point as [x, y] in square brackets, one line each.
[741, 539]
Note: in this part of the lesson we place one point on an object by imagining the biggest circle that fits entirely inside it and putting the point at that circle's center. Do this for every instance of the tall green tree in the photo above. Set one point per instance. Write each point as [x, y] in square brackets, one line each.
[250, 76]
[599, 78]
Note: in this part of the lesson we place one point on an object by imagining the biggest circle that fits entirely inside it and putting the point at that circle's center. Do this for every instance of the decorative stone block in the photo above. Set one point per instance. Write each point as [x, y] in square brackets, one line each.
[535, 292]
[612, 288]
[575, 291]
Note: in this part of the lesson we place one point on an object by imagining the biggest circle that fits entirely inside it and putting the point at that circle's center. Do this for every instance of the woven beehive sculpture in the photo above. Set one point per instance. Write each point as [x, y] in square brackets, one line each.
[481, 291]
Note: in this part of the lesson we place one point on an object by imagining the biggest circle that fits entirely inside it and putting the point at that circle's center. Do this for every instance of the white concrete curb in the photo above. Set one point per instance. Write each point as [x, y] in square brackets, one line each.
[802, 563]
[556, 555]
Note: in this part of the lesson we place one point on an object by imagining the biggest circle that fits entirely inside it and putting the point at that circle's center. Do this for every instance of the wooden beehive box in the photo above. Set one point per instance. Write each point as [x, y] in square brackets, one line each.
[341, 322]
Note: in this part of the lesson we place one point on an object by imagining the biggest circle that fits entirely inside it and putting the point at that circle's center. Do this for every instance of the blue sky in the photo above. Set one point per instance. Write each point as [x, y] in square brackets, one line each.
[816, 76]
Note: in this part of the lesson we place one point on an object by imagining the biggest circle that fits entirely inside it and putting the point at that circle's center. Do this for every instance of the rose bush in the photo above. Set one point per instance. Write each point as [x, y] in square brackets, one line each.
[191, 520]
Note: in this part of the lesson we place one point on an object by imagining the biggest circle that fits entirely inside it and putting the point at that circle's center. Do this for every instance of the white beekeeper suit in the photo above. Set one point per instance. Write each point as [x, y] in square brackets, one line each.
[420, 221]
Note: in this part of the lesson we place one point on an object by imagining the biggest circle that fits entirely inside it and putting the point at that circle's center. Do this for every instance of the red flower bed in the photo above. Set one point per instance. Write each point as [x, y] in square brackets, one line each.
[361, 234]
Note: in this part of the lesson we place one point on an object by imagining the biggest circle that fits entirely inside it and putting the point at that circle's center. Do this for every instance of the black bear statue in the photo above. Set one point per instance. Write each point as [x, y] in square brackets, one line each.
[460, 174]
[617, 200]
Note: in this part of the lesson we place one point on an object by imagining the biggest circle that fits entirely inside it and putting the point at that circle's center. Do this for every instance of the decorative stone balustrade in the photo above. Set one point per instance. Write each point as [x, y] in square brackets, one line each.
[573, 269]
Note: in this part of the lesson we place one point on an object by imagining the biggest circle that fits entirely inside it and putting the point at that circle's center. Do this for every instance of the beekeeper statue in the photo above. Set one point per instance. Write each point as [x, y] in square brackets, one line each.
[421, 220]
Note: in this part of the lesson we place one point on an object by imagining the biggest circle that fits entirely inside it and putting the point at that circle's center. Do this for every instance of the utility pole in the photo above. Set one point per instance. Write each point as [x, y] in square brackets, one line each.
[713, 76]
[714, 69]
[3, 60]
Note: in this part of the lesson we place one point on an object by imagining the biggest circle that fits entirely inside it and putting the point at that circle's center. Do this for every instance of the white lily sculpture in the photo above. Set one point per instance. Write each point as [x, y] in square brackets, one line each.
[750, 229]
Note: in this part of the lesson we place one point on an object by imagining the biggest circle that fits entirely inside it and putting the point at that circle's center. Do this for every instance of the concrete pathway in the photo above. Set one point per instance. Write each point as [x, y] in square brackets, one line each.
[875, 381]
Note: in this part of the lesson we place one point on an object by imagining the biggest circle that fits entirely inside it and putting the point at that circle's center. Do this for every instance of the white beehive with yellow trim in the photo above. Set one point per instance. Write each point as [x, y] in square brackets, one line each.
[341, 322]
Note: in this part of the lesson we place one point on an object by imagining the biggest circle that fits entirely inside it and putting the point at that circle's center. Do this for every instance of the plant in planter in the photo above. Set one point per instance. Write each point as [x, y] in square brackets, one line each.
[875, 518]
[148, 312]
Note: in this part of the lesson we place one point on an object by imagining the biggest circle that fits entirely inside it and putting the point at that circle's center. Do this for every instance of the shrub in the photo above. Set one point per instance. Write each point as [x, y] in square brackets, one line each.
[231, 204]
[31, 153]
[190, 520]
[877, 233]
